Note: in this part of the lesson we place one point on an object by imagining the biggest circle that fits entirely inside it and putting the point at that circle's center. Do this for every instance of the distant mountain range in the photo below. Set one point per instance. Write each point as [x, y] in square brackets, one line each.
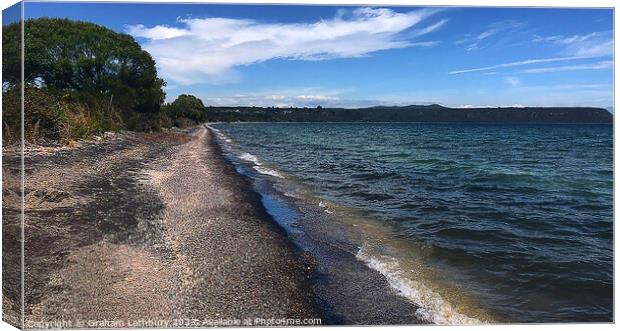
[414, 113]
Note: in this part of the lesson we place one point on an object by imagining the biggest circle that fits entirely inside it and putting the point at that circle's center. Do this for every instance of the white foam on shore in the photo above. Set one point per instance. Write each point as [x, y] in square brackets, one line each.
[219, 134]
[222, 136]
[251, 158]
[268, 171]
[323, 205]
[433, 308]
[292, 195]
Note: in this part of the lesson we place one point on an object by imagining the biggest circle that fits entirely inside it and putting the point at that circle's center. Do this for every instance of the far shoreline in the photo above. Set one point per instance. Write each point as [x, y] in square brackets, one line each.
[401, 122]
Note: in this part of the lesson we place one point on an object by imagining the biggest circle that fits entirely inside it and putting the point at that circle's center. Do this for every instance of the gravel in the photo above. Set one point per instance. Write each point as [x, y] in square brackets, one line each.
[133, 229]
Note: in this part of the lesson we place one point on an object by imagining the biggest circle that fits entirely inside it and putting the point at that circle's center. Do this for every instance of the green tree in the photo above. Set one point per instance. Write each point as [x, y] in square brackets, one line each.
[84, 59]
[186, 109]
[90, 78]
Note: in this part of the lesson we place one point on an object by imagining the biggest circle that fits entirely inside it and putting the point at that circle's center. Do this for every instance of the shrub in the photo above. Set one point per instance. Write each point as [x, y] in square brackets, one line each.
[185, 111]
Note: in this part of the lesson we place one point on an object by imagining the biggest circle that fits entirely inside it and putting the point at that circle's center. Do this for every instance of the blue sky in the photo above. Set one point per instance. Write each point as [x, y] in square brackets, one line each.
[363, 56]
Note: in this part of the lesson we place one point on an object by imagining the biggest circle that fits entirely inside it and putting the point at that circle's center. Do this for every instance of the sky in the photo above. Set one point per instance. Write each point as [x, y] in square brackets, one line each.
[283, 55]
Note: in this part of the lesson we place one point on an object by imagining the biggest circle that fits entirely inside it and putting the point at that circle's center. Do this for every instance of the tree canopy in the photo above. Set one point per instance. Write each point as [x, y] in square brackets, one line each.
[84, 58]
[186, 107]
[80, 79]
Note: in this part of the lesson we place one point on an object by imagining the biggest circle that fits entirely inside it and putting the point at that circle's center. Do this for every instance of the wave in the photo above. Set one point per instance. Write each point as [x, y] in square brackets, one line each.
[250, 157]
[268, 171]
[219, 134]
[258, 165]
[432, 307]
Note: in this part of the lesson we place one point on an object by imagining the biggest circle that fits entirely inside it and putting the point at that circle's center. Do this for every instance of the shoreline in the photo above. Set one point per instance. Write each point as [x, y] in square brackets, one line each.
[451, 292]
[154, 227]
[350, 291]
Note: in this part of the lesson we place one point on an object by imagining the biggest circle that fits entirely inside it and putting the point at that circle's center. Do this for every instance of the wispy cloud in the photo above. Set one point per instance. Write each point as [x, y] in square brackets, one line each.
[569, 48]
[591, 44]
[273, 100]
[429, 29]
[291, 98]
[593, 66]
[424, 43]
[208, 49]
[519, 63]
[513, 81]
[569, 86]
[473, 41]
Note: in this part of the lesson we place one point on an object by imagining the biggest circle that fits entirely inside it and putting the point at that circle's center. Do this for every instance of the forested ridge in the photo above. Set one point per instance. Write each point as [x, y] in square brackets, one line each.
[414, 113]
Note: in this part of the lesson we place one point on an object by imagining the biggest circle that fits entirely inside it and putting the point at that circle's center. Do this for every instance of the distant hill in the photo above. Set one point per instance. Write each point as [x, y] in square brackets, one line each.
[414, 113]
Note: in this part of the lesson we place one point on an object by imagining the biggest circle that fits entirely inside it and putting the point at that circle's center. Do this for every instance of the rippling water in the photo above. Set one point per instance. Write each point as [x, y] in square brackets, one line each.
[518, 218]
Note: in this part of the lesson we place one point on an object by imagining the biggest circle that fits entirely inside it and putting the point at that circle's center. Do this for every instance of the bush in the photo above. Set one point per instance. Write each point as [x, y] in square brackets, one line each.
[185, 111]
[11, 116]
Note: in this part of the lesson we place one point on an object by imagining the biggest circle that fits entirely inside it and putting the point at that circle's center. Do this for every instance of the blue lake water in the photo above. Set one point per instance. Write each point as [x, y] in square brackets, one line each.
[519, 218]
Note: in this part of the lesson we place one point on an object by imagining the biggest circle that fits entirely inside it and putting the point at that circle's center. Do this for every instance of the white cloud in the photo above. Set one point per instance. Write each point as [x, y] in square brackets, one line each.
[157, 32]
[569, 87]
[430, 28]
[308, 97]
[592, 48]
[519, 63]
[487, 34]
[513, 81]
[300, 96]
[468, 106]
[593, 66]
[576, 47]
[279, 99]
[472, 42]
[592, 44]
[208, 49]
[424, 43]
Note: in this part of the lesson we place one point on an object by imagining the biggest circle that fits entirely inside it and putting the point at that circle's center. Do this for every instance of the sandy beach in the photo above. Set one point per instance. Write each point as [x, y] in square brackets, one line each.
[147, 228]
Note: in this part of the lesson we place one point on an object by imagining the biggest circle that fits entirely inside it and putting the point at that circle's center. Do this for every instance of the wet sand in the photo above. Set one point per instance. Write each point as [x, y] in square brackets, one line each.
[146, 227]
